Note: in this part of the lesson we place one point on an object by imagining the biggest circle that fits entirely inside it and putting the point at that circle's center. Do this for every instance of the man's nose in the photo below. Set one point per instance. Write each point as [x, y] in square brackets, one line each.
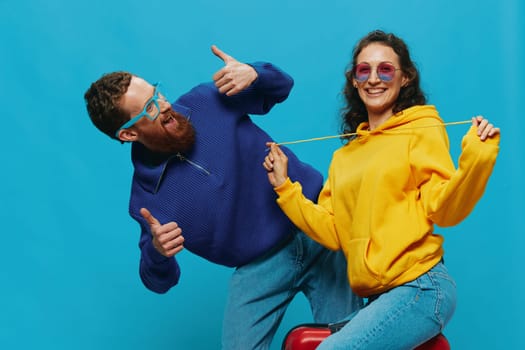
[164, 105]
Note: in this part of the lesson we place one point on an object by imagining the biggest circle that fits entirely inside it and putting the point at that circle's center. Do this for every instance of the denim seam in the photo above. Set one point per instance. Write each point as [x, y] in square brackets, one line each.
[299, 252]
[438, 300]
[392, 318]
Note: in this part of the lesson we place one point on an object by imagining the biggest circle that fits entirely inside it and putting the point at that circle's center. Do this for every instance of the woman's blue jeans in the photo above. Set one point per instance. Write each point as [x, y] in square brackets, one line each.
[401, 318]
[261, 291]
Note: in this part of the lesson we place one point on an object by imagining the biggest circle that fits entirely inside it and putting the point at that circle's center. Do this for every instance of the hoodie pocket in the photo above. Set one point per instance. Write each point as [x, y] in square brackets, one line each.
[362, 275]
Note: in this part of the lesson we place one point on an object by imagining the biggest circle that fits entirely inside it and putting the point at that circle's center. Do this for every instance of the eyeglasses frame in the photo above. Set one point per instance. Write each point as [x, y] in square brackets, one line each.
[380, 76]
[144, 113]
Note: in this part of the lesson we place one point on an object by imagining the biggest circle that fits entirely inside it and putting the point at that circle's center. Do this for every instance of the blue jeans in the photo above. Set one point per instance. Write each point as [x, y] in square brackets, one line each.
[401, 318]
[261, 291]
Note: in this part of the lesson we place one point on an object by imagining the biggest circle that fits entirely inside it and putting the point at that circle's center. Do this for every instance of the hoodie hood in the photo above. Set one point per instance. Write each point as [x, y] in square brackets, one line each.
[404, 117]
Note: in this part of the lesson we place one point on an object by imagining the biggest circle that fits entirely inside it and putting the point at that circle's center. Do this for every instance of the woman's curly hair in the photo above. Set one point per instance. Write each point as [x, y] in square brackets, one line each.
[354, 112]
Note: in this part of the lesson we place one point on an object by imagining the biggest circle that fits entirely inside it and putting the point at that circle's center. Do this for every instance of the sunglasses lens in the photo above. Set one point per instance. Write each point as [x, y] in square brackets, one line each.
[386, 71]
[362, 72]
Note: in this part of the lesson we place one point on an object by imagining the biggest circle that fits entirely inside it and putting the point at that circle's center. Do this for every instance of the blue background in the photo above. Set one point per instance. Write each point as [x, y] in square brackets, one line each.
[69, 256]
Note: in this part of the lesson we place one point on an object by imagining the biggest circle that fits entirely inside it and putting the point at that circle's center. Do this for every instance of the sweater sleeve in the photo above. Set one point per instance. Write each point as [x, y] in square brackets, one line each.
[449, 194]
[272, 86]
[315, 220]
[157, 272]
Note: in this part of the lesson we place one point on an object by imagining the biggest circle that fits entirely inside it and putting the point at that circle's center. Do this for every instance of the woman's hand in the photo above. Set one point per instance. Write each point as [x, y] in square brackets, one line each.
[485, 129]
[276, 164]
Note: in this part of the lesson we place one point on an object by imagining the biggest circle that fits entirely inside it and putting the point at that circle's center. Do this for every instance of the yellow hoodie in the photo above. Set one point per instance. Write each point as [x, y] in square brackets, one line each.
[385, 190]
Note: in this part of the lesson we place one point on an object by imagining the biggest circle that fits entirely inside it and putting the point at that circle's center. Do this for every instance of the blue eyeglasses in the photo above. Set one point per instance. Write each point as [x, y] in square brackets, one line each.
[151, 110]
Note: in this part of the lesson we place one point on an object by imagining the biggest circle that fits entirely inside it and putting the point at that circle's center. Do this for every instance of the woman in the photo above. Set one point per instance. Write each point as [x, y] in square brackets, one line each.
[386, 188]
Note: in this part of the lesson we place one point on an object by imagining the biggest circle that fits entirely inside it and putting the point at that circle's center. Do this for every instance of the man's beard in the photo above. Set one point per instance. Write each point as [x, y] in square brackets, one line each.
[170, 141]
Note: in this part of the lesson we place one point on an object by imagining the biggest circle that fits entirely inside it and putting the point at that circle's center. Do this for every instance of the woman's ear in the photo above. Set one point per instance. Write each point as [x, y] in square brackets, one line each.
[405, 81]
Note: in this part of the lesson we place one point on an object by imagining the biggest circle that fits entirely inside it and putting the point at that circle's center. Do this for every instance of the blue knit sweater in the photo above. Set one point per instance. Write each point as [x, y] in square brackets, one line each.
[218, 193]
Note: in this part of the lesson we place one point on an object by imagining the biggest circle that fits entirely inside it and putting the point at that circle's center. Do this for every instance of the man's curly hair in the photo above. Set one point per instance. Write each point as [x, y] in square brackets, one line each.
[102, 102]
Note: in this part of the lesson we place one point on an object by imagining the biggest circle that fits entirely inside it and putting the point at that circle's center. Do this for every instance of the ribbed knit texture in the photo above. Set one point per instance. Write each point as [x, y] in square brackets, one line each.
[219, 192]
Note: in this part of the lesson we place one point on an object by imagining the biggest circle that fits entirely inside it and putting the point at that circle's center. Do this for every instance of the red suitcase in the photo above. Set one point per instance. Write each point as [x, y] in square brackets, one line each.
[308, 336]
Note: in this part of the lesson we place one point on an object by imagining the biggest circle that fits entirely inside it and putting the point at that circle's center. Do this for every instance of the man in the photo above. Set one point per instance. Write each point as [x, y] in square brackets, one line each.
[196, 186]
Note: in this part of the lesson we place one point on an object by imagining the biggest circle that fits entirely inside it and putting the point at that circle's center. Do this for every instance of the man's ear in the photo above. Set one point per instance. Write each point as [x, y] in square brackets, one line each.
[127, 135]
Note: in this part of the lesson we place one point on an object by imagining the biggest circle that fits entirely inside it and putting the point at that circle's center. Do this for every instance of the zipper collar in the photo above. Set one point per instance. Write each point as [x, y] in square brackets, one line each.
[149, 168]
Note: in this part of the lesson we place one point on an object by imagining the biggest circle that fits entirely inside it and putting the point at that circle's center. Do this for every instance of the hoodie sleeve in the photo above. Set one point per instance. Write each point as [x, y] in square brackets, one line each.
[315, 220]
[448, 194]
